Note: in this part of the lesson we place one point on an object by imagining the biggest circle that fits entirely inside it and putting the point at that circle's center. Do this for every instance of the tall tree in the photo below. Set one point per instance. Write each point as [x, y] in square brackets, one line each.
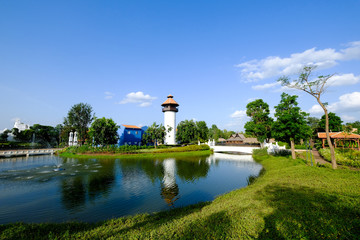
[290, 125]
[155, 134]
[79, 117]
[187, 132]
[260, 123]
[335, 123]
[314, 87]
[103, 131]
[203, 131]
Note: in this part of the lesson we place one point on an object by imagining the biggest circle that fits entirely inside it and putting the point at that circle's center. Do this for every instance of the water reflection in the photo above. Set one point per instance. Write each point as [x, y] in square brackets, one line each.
[101, 188]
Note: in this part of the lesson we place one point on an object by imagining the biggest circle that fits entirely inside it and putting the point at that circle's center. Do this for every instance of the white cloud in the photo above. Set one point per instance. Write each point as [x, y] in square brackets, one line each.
[272, 66]
[139, 98]
[349, 102]
[266, 86]
[347, 118]
[238, 114]
[344, 79]
[109, 95]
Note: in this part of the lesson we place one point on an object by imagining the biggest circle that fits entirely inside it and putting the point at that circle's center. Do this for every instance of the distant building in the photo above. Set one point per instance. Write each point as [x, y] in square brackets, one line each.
[130, 135]
[236, 138]
[21, 126]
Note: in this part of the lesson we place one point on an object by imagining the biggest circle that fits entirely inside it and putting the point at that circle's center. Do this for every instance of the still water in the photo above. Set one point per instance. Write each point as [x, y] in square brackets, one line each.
[54, 189]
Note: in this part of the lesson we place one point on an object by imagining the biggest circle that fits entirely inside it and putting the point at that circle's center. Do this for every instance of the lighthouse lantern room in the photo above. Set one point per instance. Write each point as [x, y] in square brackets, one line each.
[170, 109]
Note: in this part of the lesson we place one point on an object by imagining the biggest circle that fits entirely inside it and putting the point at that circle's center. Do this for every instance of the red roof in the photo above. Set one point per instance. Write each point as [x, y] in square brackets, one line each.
[338, 135]
[131, 126]
[170, 101]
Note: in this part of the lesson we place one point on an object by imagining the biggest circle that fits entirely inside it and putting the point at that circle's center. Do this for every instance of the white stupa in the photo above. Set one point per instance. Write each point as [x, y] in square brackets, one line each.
[170, 109]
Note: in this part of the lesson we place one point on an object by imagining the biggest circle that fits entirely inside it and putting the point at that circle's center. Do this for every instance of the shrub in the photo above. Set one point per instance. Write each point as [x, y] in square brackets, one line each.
[282, 153]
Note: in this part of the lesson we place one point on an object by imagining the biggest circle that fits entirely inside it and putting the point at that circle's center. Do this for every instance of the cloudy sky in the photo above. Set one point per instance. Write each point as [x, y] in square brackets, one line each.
[125, 57]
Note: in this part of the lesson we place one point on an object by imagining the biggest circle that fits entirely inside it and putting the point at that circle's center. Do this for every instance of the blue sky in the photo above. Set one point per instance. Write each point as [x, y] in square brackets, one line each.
[125, 57]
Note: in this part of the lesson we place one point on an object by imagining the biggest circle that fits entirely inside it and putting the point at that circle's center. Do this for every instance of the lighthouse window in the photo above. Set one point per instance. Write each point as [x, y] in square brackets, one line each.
[136, 132]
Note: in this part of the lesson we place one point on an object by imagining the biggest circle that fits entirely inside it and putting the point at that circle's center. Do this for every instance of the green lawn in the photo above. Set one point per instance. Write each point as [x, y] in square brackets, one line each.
[291, 200]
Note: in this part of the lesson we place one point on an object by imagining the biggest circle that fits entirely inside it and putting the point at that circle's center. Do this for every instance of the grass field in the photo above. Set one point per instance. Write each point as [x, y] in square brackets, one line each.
[291, 200]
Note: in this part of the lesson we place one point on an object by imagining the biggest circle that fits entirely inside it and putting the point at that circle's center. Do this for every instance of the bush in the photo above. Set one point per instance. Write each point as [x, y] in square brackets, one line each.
[260, 152]
[282, 153]
[347, 157]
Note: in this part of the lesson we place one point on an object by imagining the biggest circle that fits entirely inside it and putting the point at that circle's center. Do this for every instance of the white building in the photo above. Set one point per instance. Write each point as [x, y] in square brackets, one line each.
[21, 126]
[170, 109]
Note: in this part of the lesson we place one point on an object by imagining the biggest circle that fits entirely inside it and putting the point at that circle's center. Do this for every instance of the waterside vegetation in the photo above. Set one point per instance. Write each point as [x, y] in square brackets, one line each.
[291, 200]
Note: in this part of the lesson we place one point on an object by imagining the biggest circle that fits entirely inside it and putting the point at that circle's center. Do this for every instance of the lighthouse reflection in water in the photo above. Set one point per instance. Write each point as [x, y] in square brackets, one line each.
[98, 189]
[169, 188]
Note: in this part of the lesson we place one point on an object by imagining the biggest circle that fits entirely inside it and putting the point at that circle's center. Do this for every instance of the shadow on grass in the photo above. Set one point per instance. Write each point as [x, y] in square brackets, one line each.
[95, 230]
[303, 213]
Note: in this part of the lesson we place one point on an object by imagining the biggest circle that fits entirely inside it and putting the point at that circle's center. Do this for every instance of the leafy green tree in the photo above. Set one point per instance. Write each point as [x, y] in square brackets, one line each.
[335, 123]
[103, 131]
[47, 136]
[313, 122]
[79, 118]
[203, 131]
[4, 135]
[214, 132]
[155, 134]
[314, 87]
[290, 125]
[356, 125]
[22, 136]
[260, 123]
[187, 132]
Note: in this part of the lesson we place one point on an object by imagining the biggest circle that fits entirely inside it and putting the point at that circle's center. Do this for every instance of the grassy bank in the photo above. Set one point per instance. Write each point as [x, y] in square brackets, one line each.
[192, 150]
[346, 157]
[291, 200]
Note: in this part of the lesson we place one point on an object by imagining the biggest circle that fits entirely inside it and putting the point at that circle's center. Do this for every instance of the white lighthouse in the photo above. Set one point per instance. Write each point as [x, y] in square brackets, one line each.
[170, 110]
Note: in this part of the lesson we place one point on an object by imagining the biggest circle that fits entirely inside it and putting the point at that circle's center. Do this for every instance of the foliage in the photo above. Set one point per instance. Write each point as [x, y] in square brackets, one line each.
[4, 135]
[315, 87]
[313, 122]
[290, 200]
[189, 148]
[203, 131]
[189, 131]
[290, 124]
[103, 131]
[79, 118]
[46, 136]
[155, 134]
[356, 125]
[260, 123]
[282, 152]
[216, 133]
[335, 123]
[347, 157]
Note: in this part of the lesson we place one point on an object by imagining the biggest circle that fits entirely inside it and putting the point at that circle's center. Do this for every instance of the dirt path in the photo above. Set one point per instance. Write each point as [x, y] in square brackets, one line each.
[318, 158]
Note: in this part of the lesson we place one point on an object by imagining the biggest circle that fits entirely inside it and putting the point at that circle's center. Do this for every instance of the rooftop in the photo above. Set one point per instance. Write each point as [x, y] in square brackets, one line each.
[131, 126]
[170, 101]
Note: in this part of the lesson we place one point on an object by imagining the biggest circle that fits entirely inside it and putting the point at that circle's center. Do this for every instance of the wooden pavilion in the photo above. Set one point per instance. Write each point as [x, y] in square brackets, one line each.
[339, 138]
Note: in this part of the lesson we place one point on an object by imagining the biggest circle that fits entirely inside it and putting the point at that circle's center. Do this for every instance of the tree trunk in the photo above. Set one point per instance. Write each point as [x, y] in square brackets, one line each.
[292, 143]
[332, 150]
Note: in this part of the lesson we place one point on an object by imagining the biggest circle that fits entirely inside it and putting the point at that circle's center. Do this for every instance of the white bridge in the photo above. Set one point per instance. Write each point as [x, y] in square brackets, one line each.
[28, 152]
[234, 149]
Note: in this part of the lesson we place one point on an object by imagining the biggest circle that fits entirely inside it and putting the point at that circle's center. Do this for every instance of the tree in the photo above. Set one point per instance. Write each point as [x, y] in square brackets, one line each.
[187, 132]
[313, 122]
[356, 125]
[290, 125]
[4, 135]
[155, 133]
[315, 88]
[203, 131]
[260, 123]
[214, 132]
[79, 118]
[103, 131]
[335, 123]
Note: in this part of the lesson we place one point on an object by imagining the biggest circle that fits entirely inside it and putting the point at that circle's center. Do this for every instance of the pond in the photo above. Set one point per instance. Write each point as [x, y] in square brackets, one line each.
[54, 189]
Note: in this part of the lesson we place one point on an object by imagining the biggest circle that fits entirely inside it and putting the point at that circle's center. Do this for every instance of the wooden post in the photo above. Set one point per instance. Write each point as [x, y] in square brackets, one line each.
[323, 143]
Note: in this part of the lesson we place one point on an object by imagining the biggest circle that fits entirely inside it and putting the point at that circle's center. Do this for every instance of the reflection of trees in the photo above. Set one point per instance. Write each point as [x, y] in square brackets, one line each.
[73, 192]
[193, 169]
[152, 168]
[75, 189]
[102, 181]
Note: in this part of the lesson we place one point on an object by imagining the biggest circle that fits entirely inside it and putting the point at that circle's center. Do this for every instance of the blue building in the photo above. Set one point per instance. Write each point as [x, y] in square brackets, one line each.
[130, 135]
